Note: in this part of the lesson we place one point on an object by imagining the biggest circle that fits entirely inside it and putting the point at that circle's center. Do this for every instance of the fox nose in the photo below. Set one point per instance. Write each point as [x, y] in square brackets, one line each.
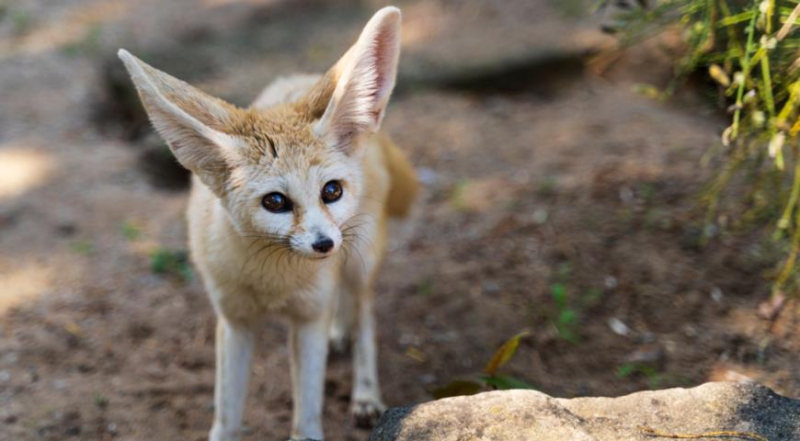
[323, 244]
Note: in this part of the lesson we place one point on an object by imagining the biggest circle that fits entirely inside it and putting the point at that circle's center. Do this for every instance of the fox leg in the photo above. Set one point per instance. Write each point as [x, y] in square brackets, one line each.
[308, 343]
[358, 276]
[367, 405]
[234, 351]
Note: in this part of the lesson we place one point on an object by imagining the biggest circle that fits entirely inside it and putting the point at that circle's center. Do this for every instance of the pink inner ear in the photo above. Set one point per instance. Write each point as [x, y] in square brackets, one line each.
[364, 87]
[383, 42]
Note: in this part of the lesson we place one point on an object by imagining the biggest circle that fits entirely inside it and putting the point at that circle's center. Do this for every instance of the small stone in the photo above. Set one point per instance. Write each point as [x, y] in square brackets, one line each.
[626, 195]
[716, 294]
[490, 287]
[540, 216]
[618, 327]
[428, 378]
[427, 176]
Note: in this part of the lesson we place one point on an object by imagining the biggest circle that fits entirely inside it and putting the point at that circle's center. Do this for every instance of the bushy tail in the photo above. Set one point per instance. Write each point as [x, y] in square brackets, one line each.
[404, 183]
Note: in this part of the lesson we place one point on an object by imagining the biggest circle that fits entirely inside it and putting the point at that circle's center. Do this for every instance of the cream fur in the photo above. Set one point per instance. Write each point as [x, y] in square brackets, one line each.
[301, 132]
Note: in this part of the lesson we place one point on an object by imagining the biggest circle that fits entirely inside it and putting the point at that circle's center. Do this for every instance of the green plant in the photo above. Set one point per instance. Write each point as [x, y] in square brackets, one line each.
[89, 44]
[425, 287]
[82, 246]
[22, 22]
[631, 369]
[457, 195]
[99, 400]
[566, 313]
[489, 379]
[130, 230]
[566, 317]
[176, 262]
[750, 50]
[655, 377]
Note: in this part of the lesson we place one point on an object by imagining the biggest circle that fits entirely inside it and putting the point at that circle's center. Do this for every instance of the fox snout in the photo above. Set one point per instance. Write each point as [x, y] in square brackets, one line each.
[317, 242]
[323, 244]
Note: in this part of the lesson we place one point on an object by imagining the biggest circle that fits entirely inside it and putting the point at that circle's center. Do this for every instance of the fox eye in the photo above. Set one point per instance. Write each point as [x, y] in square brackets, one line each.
[332, 192]
[276, 203]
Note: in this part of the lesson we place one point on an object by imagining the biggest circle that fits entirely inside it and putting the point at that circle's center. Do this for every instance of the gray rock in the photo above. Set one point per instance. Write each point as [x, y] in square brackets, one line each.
[529, 415]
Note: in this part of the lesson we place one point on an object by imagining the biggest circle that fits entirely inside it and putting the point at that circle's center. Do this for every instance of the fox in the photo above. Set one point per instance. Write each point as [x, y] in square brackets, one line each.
[288, 213]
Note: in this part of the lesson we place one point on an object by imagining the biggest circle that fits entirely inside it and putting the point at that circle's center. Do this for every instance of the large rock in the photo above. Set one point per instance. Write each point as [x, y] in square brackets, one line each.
[747, 409]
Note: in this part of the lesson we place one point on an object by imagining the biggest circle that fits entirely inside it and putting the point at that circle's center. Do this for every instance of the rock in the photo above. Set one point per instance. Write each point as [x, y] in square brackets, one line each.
[530, 415]
[508, 415]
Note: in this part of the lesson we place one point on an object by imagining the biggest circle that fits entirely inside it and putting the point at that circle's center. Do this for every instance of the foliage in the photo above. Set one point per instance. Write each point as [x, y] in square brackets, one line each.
[130, 230]
[750, 50]
[82, 247]
[175, 262]
[630, 369]
[568, 311]
[489, 379]
[655, 377]
[566, 317]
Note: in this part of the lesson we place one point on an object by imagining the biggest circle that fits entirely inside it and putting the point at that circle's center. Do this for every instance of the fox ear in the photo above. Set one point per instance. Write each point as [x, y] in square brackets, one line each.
[189, 120]
[364, 80]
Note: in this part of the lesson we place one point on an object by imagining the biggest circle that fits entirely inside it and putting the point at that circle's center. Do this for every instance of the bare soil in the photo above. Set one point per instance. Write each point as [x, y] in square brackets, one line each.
[571, 178]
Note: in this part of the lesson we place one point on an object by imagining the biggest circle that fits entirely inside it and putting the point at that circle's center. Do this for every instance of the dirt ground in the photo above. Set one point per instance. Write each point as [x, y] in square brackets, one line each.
[567, 179]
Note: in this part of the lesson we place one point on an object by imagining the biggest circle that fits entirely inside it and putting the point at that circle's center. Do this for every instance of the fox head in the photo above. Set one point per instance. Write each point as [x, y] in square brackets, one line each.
[291, 173]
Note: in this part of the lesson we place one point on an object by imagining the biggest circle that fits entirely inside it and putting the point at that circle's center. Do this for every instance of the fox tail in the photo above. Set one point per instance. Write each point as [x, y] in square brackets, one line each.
[404, 184]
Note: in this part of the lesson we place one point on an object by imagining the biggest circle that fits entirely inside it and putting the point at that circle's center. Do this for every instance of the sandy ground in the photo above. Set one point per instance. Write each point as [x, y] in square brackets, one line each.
[575, 180]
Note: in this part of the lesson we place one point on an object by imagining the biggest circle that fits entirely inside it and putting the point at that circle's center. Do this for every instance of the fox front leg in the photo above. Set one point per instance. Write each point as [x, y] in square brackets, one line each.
[234, 351]
[308, 343]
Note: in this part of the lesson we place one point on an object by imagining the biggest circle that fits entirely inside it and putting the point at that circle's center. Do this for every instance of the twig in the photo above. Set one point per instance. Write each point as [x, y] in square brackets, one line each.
[750, 436]
[787, 27]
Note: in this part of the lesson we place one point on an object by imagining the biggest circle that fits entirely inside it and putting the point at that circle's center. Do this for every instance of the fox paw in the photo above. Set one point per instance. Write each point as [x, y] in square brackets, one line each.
[367, 412]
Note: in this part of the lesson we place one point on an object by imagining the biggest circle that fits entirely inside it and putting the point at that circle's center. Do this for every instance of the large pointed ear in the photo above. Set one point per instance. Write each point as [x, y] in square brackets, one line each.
[364, 78]
[189, 120]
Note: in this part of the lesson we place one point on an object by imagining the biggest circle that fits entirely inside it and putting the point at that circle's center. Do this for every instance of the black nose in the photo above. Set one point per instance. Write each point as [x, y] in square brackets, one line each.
[322, 245]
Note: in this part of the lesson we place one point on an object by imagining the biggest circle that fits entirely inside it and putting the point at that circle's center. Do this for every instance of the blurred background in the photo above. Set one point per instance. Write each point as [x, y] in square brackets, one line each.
[562, 199]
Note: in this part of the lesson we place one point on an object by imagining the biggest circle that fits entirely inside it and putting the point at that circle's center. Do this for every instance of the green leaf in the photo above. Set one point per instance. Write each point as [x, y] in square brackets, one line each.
[100, 401]
[165, 261]
[626, 370]
[559, 295]
[504, 354]
[505, 382]
[567, 317]
[457, 388]
[734, 19]
[130, 231]
[82, 247]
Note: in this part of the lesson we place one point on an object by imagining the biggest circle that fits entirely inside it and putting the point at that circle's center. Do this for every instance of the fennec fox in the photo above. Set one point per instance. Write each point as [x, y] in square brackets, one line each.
[288, 214]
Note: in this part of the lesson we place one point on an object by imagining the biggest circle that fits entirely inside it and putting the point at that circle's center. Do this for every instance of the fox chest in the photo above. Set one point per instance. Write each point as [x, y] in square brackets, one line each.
[248, 296]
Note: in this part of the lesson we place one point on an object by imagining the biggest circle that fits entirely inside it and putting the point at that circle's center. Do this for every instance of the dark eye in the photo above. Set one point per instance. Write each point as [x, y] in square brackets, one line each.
[276, 203]
[331, 192]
